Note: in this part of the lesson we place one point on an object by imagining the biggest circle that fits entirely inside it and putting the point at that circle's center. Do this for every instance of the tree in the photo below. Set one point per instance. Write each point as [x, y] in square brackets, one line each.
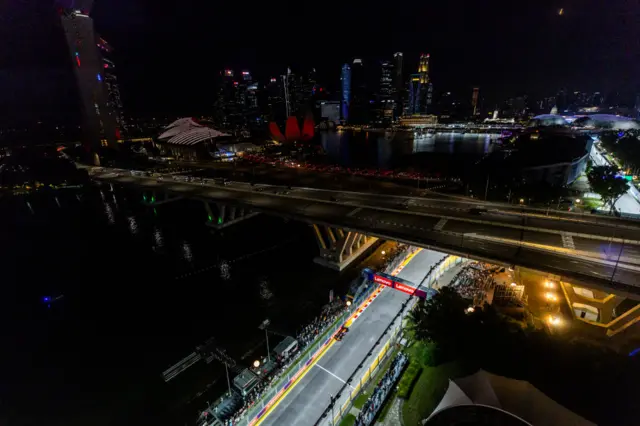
[442, 320]
[606, 182]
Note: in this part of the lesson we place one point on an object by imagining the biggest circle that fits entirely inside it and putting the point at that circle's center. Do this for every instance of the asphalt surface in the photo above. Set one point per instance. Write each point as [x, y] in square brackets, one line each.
[628, 203]
[307, 401]
[502, 234]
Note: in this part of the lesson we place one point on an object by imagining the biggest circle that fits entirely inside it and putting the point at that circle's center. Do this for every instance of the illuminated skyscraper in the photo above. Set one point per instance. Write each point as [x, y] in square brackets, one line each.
[99, 115]
[345, 83]
[420, 89]
[113, 88]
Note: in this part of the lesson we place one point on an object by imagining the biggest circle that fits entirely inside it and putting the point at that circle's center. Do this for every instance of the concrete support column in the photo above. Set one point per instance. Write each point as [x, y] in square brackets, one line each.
[338, 248]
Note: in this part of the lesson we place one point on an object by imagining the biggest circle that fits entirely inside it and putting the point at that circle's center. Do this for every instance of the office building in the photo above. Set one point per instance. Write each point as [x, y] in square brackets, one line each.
[385, 102]
[345, 97]
[360, 102]
[98, 117]
[398, 83]
[113, 89]
[474, 100]
[420, 89]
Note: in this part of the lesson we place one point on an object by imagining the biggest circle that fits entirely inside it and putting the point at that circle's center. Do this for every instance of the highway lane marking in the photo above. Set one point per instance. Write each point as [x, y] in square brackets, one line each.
[567, 242]
[438, 226]
[322, 368]
[354, 211]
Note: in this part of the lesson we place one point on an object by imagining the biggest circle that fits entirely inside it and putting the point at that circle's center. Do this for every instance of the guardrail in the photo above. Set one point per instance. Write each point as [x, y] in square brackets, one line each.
[434, 273]
[296, 369]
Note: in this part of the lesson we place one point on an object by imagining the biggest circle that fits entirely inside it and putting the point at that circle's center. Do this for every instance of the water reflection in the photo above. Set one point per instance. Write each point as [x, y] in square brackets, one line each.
[158, 239]
[186, 252]
[109, 212]
[383, 149]
[133, 225]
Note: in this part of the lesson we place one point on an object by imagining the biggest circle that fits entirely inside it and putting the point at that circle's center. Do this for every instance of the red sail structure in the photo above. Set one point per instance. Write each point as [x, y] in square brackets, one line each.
[275, 132]
[292, 130]
[308, 128]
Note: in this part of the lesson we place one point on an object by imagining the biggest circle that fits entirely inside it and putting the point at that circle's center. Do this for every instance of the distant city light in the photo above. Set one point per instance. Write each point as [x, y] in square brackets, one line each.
[561, 11]
[99, 77]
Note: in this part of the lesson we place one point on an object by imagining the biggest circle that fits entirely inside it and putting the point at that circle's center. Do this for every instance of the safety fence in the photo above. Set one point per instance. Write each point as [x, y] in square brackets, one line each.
[434, 273]
[440, 268]
[376, 364]
[383, 389]
[298, 367]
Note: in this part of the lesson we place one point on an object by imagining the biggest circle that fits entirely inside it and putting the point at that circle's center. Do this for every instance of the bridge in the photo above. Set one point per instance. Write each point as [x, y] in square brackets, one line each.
[581, 248]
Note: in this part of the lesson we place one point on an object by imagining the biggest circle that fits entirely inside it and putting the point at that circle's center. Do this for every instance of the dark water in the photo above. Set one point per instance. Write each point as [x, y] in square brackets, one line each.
[141, 288]
[441, 153]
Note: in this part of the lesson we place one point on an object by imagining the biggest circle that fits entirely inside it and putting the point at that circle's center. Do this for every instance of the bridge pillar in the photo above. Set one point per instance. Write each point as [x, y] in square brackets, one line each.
[156, 198]
[338, 248]
[221, 215]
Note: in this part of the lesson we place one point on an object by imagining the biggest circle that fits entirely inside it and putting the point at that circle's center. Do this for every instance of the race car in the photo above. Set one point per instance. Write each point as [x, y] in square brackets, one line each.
[340, 334]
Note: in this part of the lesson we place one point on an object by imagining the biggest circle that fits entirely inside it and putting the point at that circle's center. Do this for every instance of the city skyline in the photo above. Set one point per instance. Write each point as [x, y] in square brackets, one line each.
[504, 49]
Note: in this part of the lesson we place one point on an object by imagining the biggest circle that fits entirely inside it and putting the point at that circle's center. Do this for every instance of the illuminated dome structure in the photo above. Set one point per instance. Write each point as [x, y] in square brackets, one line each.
[607, 121]
[548, 120]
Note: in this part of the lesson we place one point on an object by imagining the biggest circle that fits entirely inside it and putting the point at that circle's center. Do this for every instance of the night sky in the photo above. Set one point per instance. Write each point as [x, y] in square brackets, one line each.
[169, 52]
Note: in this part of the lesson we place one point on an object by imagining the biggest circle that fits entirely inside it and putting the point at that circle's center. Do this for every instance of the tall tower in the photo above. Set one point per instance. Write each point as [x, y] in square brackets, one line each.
[99, 118]
[423, 68]
[113, 88]
[398, 82]
[345, 83]
[474, 100]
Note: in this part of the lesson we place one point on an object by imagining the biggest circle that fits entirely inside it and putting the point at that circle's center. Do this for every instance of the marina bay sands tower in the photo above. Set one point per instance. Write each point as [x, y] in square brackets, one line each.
[100, 105]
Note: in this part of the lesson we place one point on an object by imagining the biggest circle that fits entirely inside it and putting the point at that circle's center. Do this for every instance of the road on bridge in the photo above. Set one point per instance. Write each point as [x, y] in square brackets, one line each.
[603, 251]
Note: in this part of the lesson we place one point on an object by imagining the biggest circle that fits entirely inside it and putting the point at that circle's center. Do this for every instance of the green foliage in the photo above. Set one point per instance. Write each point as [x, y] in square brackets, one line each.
[429, 390]
[348, 420]
[605, 182]
[408, 379]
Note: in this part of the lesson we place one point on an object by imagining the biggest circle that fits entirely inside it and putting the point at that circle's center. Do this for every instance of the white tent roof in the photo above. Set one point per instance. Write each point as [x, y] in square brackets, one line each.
[182, 122]
[518, 397]
[195, 136]
[177, 127]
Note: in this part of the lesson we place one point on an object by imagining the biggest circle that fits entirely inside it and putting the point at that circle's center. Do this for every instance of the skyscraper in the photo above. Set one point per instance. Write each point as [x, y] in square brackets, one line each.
[385, 96]
[345, 98]
[474, 100]
[359, 113]
[420, 88]
[113, 88]
[99, 119]
[398, 83]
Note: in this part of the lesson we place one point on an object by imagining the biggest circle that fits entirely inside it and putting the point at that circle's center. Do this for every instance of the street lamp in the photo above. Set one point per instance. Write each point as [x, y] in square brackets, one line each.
[256, 363]
[264, 326]
[348, 303]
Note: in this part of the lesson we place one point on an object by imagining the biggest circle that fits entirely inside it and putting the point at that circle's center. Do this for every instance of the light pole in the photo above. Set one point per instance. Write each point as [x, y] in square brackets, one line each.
[333, 400]
[264, 326]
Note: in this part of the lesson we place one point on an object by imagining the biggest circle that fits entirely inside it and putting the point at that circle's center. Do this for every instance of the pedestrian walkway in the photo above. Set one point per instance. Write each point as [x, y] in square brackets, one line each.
[448, 276]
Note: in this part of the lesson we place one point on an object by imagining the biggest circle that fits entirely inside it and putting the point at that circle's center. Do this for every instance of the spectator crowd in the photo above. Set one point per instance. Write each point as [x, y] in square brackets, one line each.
[375, 402]
[474, 281]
